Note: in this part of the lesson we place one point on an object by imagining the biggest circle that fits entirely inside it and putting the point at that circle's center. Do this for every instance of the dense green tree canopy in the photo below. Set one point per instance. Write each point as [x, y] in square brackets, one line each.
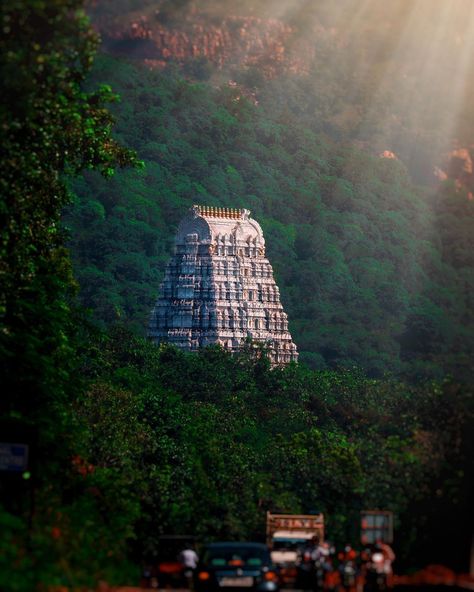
[50, 127]
[366, 277]
[224, 438]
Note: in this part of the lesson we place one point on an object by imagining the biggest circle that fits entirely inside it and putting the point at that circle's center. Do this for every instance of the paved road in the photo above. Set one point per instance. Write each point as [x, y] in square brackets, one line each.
[396, 589]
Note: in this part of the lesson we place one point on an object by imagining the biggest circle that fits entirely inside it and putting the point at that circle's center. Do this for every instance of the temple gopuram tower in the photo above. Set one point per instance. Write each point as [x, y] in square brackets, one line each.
[219, 287]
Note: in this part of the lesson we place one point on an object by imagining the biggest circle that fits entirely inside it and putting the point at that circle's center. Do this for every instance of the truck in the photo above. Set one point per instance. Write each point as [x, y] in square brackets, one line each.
[286, 534]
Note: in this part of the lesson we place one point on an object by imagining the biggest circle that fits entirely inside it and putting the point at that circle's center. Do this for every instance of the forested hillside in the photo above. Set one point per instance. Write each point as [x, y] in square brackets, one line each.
[394, 76]
[109, 441]
[374, 270]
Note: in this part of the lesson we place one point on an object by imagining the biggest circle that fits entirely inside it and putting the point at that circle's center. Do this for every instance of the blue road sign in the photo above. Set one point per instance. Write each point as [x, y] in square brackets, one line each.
[13, 457]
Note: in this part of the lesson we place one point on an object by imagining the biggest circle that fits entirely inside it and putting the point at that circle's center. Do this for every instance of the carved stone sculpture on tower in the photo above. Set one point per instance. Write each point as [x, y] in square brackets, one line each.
[219, 287]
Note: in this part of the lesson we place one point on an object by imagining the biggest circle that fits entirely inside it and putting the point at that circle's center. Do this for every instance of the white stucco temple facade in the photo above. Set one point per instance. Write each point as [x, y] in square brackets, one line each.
[219, 287]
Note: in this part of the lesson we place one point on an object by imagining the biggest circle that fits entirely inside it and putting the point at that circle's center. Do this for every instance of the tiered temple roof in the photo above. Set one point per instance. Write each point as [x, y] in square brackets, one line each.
[219, 287]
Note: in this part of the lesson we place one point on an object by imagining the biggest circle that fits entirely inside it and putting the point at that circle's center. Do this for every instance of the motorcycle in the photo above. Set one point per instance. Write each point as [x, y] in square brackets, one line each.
[348, 575]
[311, 574]
[376, 577]
[318, 575]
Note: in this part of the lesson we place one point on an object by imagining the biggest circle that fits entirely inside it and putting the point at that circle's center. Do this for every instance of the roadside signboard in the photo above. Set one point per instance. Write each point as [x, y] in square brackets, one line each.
[13, 457]
[295, 522]
[294, 525]
[376, 525]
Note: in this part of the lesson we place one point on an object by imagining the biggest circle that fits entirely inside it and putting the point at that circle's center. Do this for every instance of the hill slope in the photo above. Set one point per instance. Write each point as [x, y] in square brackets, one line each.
[354, 244]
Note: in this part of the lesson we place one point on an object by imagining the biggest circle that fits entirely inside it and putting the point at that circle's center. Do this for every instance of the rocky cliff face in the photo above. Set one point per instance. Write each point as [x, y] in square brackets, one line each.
[268, 44]
[206, 43]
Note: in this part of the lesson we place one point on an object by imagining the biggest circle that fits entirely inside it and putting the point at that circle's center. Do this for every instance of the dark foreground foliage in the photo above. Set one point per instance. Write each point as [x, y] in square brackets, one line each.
[168, 443]
[50, 127]
[216, 440]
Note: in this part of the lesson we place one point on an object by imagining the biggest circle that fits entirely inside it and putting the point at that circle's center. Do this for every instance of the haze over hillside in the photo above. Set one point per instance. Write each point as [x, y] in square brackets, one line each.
[345, 128]
[400, 73]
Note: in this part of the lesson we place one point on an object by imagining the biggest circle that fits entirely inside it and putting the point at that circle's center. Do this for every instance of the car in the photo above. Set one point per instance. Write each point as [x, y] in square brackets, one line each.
[236, 566]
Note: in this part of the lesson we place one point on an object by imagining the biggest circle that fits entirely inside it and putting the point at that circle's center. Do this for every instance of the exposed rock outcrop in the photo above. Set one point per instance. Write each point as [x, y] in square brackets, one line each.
[247, 41]
[459, 167]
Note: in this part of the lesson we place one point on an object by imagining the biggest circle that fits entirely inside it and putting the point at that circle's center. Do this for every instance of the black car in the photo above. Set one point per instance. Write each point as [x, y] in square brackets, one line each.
[243, 566]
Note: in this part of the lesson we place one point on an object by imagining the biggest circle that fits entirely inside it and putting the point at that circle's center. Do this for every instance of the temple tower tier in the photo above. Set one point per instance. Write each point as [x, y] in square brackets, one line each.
[219, 287]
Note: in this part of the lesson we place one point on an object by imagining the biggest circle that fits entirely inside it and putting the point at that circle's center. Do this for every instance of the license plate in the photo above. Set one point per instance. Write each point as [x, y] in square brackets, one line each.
[244, 582]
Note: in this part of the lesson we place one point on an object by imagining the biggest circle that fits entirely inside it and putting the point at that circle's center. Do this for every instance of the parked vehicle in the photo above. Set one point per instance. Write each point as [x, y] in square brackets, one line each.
[229, 565]
[287, 534]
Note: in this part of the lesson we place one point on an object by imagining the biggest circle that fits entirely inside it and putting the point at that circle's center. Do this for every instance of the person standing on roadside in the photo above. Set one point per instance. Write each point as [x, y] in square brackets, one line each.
[189, 560]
